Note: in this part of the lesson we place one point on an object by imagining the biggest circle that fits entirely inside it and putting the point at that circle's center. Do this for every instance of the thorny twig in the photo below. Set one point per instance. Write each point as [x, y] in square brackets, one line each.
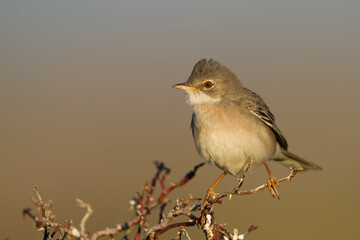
[89, 211]
[236, 191]
[144, 204]
[179, 209]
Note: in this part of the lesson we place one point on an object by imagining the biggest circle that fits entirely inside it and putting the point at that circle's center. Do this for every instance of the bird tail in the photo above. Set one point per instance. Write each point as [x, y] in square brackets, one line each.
[291, 159]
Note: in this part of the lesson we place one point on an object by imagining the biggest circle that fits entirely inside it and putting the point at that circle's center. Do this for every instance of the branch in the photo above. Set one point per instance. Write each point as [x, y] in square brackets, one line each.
[160, 200]
[236, 191]
[144, 204]
[89, 211]
[179, 209]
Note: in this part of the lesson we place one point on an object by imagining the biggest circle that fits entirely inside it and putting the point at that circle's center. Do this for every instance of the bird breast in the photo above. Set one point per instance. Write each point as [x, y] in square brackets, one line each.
[228, 136]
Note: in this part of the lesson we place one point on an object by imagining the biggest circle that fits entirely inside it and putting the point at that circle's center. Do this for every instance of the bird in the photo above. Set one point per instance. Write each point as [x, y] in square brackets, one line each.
[232, 126]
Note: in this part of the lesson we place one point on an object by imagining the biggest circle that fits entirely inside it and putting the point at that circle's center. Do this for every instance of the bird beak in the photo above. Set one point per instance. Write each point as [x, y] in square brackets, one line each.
[182, 86]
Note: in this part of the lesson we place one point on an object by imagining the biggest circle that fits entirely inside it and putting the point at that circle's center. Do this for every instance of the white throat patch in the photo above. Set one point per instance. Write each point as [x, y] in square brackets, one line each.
[197, 97]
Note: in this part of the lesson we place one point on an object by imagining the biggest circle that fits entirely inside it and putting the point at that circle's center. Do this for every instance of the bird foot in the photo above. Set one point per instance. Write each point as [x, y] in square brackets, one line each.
[210, 196]
[272, 183]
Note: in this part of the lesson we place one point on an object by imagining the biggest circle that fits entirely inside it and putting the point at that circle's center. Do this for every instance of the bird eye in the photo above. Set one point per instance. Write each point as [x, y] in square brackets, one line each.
[208, 84]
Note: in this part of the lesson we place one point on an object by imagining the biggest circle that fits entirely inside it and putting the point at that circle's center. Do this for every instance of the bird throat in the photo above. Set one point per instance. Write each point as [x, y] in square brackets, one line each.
[194, 98]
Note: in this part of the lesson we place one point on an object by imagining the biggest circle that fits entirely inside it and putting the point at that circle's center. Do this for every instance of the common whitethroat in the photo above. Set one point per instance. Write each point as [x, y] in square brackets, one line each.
[232, 126]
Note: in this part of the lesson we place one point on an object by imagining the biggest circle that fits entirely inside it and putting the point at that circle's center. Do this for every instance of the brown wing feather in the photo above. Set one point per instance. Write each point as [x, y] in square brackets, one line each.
[257, 107]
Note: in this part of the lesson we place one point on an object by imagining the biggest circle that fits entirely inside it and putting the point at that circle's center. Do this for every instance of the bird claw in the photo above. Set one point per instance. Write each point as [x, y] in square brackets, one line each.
[210, 196]
[272, 183]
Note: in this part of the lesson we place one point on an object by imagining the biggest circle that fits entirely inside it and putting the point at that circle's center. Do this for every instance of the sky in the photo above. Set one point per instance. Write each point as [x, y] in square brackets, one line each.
[86, 107]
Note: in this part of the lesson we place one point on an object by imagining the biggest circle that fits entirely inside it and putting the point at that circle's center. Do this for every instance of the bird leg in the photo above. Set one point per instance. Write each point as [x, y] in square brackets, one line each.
[272, 183]
[210, 191]
[209, 194]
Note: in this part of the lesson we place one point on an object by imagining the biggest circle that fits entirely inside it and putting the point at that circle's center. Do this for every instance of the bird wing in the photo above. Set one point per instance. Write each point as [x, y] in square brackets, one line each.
[257, 106]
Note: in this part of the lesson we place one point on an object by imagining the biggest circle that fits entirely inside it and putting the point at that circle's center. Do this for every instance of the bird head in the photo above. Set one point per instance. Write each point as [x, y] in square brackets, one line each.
[210, 82]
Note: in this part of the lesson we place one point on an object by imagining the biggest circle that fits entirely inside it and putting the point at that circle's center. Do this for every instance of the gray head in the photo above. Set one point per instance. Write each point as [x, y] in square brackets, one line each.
[210, 81]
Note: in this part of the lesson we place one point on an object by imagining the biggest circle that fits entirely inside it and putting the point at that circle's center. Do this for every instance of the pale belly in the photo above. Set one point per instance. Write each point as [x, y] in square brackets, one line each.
[233, 149]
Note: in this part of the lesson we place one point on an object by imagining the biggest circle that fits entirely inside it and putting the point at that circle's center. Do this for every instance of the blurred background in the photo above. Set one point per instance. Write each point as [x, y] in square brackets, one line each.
[86, 107]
